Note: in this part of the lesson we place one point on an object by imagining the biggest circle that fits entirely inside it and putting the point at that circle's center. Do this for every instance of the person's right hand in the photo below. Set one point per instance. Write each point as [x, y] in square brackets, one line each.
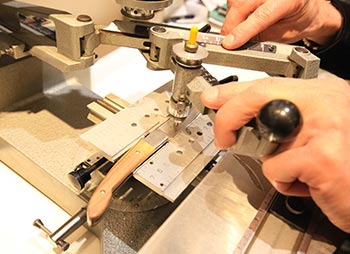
[316, 162]
[285, 21]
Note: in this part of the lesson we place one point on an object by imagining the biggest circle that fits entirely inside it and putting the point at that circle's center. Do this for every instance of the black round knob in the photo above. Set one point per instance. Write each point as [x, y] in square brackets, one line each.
[295, 205]
[279, 121]
[79, 178]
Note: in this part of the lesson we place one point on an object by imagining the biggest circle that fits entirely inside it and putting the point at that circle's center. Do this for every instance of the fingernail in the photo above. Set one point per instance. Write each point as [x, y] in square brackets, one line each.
[229, 39]
[211, 94]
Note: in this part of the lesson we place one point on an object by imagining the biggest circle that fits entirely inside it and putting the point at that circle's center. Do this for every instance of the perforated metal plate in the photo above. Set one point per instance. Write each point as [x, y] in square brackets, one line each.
[162, 170]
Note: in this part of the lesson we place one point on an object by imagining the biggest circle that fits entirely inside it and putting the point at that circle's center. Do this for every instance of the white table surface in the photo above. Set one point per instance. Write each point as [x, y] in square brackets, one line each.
[21, 205]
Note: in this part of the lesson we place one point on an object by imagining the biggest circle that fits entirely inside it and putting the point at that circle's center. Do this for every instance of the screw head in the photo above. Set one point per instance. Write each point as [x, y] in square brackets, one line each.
[302, 50]
[38, 223]
[63, 245]
[84, 18]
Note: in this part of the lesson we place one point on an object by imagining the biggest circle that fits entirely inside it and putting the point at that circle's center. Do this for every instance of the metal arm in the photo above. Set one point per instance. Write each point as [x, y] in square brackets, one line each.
[156, 40]
[77, 37]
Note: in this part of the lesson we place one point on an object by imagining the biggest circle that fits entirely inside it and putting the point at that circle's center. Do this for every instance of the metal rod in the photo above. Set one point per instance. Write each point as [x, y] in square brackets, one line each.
[58, 237]
[70, 226]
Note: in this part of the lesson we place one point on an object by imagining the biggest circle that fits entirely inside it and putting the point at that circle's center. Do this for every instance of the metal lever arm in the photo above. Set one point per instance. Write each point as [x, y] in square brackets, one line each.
[156, 41]
[77, 38]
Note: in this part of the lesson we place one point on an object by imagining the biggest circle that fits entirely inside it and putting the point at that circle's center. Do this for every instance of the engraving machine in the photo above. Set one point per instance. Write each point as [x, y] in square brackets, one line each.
[164, 140]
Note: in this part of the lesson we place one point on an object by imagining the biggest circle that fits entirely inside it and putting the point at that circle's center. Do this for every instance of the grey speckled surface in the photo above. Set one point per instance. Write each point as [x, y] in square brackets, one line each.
[132, 230]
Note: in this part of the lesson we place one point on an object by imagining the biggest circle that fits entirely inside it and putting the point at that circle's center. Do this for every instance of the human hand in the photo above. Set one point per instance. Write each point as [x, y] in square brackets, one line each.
[284, 21]
[317, 162]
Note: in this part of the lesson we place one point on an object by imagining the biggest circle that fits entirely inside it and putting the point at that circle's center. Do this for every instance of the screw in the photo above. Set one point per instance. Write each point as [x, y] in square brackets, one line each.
[271, 48]
[159, 29]
[63, 245]
[302, 50]
[39, 224]
[84, 18]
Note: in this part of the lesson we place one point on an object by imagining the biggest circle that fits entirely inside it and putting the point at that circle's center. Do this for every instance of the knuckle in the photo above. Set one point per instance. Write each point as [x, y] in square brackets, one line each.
[329, 155]
[262, 88]
[234, 3]
[263, 13]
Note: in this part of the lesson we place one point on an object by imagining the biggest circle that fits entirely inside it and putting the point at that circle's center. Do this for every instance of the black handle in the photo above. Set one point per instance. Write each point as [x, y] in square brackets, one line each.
[279, 121]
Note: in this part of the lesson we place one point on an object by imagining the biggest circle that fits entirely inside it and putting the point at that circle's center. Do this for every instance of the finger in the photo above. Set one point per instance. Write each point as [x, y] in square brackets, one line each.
[236, 13]
[299, 167]
[232, 116]
[263, 17]
[281, 33]
[216, 96]
[290, 178]
[292, 189]
[230, 3]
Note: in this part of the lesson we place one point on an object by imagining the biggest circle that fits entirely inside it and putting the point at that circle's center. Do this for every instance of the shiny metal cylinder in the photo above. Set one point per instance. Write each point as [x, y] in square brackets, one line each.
[142, 9]
[69, 227]
[179, 105]
[188, 66]
[136, 13]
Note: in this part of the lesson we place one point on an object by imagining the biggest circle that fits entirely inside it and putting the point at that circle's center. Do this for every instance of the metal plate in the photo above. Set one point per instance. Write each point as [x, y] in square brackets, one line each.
[118, 133]
[160, 171]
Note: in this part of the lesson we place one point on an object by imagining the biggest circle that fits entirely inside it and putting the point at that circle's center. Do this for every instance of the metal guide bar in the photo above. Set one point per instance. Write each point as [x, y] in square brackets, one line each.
[100, 110]
[142, 30]
[256, 223]
[249, 243]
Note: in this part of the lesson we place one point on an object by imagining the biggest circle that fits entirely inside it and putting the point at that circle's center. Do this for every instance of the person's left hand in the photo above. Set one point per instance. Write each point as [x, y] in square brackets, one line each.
[284, 21]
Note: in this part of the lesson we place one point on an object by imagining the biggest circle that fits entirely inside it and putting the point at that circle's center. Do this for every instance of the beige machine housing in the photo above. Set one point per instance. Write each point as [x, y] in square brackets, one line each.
[42, 120]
